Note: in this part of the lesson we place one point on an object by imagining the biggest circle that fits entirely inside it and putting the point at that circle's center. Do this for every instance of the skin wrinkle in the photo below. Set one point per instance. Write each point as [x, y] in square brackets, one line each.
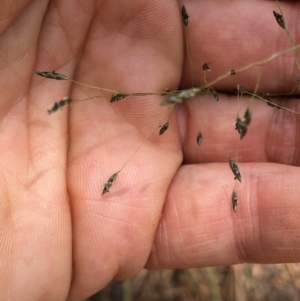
[170, 258]
[232, 241]
[7, 242]
[177, 221]
[242, 248]
[28, 144]
[73, 68]
[163, 225]
[264, 250]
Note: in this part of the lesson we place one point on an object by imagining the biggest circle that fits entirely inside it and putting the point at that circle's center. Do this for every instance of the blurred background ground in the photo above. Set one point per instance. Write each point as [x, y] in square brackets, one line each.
[245, 282]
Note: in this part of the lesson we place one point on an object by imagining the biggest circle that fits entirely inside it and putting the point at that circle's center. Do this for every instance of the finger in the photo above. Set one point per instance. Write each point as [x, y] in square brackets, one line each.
[22, 203]
[127, 52]
[231, 34]
[59, 47]
[199, 228]
[272, 136]
[36, 232]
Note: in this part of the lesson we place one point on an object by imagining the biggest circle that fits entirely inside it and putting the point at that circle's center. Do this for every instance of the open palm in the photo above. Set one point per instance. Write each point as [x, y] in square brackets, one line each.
[60, 238]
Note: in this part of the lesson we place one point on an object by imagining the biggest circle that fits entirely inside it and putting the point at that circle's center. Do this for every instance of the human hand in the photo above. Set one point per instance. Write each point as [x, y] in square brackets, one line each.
[198, 226]
[59, 237]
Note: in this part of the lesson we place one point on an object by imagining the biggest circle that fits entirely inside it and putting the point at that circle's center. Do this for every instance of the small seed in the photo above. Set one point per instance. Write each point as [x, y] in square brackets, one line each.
[248, 116]
[118, 96]
[52, 75]
[199, 138]
[206, 67]
[59, 104]
[232, 72]
[236, 172]
[185, 16]
[109, 183]
[279, 19]
[234, 199]
[164, 128]
[216, 96]
[241, 127]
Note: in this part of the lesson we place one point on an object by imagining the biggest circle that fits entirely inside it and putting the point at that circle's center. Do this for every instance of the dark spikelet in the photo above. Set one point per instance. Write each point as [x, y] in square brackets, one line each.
[164, 128]
[185, 16]
[51, 75]
[248, 116]
[58, 105]
[234, 199]
[206, 67]
[109, 183]
[199, 138]
[232, 72]
[117, 97]
[279, 19]
[236, 172]
[216, 96]
[241, 127]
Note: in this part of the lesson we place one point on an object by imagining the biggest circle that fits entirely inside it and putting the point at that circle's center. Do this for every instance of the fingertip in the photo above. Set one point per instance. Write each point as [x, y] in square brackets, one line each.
[199, 227]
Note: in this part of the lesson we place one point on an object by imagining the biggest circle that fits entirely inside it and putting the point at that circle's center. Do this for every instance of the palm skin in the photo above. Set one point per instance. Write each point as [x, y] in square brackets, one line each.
[60, 238]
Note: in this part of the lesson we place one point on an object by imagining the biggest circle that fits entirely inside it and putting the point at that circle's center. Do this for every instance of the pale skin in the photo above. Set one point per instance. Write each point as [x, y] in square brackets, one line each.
[60, 239]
